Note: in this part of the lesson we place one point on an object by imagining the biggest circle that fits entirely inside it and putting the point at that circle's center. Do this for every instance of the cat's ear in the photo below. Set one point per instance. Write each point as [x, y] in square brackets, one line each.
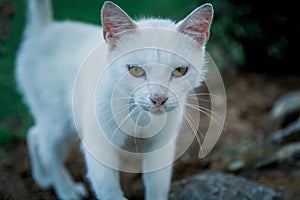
[114, 21]
[197, 24]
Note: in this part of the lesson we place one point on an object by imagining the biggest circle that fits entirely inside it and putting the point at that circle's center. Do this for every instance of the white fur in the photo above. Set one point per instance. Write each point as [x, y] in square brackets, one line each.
[47, 63]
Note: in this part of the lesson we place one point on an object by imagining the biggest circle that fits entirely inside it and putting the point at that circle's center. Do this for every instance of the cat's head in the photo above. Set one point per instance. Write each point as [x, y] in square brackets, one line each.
[149, 55]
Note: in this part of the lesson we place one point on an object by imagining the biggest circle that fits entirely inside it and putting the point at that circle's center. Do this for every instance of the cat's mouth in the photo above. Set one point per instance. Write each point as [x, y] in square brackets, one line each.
[156, 110]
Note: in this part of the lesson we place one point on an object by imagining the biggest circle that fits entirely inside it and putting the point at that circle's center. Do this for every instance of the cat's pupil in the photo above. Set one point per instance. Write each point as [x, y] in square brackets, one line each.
[180, 71]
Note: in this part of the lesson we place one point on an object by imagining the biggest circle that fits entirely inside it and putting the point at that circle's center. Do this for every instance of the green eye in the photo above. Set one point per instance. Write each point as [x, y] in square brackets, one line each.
[136, 70]
[180, 71]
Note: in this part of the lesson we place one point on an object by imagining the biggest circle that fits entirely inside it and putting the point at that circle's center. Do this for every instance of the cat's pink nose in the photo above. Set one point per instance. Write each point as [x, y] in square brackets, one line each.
[158, 101]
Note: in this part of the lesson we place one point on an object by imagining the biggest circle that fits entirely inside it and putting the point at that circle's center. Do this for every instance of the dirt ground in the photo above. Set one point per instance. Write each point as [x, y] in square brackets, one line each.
[250, 98]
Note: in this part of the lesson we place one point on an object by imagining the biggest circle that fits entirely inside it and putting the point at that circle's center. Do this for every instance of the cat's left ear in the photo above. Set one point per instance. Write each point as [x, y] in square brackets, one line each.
[114, 21]
[197, 24]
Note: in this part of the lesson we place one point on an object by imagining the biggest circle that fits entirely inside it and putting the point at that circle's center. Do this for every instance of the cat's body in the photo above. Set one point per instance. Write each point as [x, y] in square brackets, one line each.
[47, 65]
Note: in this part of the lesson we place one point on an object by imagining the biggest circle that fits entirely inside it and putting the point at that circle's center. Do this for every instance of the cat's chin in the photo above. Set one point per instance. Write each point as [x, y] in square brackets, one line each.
[154, 110]
[157, 112]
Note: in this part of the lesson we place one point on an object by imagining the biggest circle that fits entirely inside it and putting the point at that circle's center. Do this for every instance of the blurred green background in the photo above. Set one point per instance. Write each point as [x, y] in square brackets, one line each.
[250, 36]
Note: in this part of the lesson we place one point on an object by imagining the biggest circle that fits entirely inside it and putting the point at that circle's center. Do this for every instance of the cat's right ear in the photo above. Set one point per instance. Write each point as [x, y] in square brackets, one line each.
[197, 24]
[114, 21]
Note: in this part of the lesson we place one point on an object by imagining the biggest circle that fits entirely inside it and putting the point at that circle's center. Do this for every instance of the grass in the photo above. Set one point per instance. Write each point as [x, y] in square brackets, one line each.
[14, 116]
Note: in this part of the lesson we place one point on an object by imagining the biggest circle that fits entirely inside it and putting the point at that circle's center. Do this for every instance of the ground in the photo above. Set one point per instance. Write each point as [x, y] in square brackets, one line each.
[250, 98]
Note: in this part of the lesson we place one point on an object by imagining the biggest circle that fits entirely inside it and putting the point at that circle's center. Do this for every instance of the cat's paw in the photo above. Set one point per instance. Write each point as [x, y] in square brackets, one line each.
[42, 181]
[81, 189]
[77, 192]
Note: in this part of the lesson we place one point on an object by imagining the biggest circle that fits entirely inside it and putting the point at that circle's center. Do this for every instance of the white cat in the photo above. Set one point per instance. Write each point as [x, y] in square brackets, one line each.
[47, 64]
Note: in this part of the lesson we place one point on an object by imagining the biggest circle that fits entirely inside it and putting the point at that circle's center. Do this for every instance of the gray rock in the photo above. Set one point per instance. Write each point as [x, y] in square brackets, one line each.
[219, 186]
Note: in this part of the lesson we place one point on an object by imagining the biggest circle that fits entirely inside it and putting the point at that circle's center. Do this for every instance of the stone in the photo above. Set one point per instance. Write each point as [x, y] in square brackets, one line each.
[214, 185]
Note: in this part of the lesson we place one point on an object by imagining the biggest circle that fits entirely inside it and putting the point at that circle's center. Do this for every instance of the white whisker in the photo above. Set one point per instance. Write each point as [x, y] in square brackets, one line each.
[196, 98]
[202, 94]
[194, 129]
[206, 112]
[120, 98]
[116, 107]
[117, 114]
[205, 109]
[125, 97]
[193, 122]
[135, 129]
[119, 125]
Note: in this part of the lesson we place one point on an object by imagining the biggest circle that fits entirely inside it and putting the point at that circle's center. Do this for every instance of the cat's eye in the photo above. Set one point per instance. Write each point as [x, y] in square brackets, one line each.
[136, 70]
[180, 71]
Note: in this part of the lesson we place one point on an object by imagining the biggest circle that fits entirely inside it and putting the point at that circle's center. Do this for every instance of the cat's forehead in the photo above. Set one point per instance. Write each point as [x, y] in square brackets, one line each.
[150, 43]
[152, 56]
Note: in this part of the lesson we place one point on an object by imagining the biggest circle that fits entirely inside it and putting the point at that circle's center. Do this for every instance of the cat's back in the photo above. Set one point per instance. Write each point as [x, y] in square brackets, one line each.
[48, 59]
[59, 40]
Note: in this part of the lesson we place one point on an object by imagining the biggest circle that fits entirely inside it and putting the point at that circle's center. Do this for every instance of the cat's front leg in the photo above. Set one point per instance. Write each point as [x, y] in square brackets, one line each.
[105, 181]
[157, 183]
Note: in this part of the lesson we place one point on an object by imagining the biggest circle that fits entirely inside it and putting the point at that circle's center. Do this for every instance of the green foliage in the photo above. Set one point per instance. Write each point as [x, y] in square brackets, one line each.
[14, 117]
